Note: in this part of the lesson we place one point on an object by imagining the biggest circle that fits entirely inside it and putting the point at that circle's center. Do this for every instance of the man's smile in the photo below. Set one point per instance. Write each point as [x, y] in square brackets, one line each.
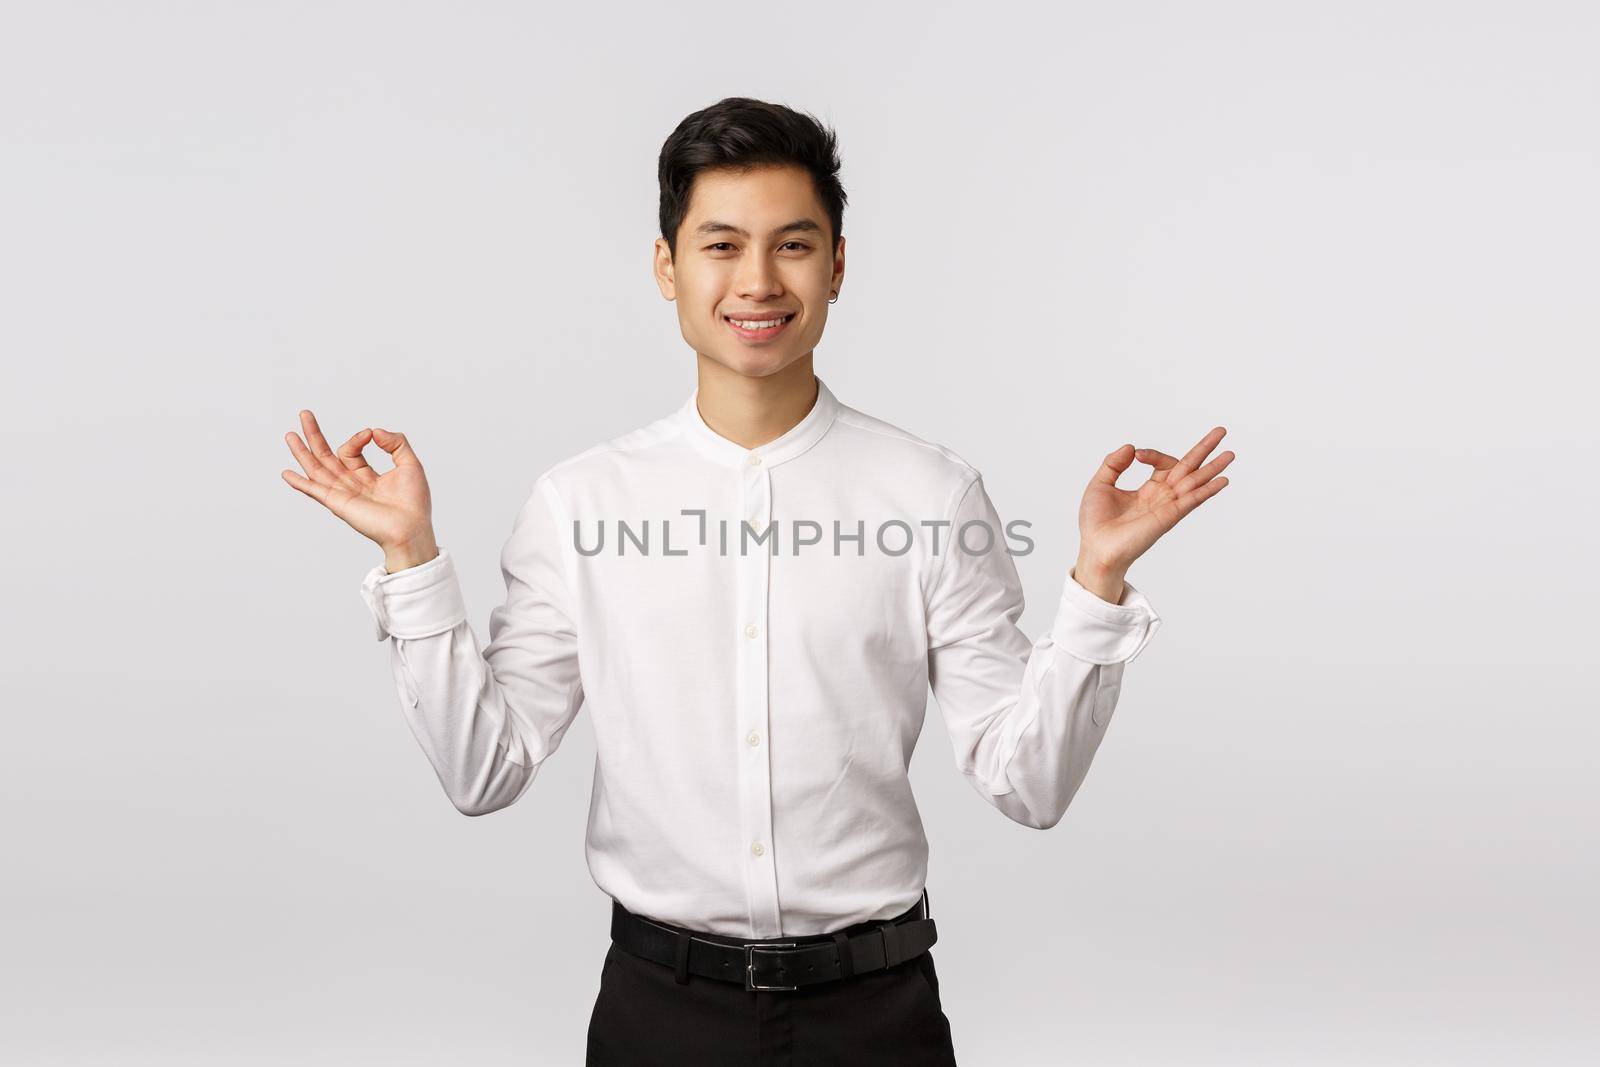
[759, 326]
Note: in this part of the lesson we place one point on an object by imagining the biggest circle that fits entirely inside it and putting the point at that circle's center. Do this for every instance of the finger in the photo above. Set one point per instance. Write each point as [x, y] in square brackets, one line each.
[350, 453]
[1115, 463]
[1197, 455]
[1204, 474]
[396, 445]
[319, 444]
[1189, 501]
[1159, 460]
[316, 492]
[309, 463]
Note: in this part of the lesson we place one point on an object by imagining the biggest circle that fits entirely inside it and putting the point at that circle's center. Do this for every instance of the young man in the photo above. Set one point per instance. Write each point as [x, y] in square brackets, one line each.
[752, 595]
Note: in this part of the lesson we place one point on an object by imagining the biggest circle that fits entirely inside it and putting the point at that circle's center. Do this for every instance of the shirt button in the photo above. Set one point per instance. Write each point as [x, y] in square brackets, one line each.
[758, 848]
[754, 460]
[752, 630]
[754, 738]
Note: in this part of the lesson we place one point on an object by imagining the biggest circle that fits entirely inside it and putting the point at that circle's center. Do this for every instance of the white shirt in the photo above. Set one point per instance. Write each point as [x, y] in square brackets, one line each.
[755, 713]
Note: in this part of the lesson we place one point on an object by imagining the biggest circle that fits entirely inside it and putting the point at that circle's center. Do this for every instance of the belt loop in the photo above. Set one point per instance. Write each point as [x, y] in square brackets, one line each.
[847, 963]
[682, 975]
[927, 909]
[891, 943]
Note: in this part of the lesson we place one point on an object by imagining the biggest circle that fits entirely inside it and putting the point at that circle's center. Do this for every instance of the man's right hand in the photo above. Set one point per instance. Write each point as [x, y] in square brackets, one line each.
[393, 509]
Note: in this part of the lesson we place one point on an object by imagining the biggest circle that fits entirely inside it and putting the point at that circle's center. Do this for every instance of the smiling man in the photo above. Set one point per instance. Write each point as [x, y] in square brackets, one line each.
[756, 697]
[752, 255]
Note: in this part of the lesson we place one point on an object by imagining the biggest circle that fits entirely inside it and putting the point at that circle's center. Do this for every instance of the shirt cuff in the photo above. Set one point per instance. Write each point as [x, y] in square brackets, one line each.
[1097, 631]
[417, 602]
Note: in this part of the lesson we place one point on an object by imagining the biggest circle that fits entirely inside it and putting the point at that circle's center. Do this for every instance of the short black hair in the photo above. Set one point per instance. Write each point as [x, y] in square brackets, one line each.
[743, 134]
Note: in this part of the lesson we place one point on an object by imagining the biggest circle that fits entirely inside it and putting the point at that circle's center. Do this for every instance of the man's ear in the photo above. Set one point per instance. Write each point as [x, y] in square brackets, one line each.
[661, 264]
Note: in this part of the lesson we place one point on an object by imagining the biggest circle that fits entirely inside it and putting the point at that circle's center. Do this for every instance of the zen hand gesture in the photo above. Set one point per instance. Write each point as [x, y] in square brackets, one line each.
[393, 509]
[1116, 526]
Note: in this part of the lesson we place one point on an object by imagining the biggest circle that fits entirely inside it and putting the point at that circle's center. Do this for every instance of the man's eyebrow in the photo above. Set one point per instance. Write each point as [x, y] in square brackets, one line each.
[797, 226]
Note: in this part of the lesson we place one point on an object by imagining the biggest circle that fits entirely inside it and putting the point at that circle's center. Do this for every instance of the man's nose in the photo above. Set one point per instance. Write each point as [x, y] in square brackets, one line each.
[758, 278]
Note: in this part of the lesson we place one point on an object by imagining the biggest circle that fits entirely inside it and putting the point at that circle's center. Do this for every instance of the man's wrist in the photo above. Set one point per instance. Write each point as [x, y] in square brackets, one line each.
[1103, 582]
[411, 554]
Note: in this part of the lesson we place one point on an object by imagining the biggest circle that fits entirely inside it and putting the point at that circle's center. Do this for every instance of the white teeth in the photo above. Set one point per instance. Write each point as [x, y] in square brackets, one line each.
[762, 324]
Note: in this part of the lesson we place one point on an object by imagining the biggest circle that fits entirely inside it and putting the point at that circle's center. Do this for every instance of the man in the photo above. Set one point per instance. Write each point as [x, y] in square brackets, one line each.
[752, 595]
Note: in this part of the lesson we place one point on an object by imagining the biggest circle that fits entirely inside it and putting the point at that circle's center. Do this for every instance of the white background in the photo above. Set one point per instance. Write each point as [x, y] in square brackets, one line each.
[1346, 812]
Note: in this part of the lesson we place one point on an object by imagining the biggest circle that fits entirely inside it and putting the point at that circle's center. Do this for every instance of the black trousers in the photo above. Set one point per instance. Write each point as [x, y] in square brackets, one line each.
[644, 1018]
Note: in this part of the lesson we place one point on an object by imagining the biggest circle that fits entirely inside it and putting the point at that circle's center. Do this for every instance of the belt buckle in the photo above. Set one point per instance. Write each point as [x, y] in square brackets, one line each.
[750, 967]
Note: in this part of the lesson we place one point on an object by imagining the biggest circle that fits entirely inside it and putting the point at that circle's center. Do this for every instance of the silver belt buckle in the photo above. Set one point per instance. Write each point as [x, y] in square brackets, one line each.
[750, 967]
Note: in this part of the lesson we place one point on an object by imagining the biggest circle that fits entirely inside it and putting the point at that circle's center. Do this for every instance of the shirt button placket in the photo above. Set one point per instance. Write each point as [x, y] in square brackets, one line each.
[753, 566]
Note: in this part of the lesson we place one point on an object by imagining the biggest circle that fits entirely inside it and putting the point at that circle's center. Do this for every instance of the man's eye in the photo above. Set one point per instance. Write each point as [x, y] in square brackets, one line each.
[720, 245]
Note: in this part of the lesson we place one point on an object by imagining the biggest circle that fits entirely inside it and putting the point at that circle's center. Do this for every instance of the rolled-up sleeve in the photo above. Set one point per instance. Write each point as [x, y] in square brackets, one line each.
[417, 602]
[1097, 631]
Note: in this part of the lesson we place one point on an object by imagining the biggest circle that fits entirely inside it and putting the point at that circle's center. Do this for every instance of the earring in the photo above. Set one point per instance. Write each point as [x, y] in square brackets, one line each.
[835, 299]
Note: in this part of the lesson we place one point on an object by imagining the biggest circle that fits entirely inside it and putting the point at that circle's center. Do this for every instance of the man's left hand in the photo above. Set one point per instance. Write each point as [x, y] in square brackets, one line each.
[1116, 526]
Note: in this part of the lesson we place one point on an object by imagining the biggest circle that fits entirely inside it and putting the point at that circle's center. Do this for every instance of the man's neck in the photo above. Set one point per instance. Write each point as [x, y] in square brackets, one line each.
[750, 412]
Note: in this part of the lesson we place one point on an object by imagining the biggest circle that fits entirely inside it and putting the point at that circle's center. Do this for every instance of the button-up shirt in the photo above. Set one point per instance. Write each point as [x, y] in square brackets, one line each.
[755, 632]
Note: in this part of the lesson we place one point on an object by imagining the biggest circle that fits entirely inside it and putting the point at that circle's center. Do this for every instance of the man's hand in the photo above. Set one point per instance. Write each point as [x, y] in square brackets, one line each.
[394, 508]
[1116, 526]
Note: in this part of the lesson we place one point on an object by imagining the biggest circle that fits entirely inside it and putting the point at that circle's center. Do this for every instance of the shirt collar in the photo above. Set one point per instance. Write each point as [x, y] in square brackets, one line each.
[799, 437]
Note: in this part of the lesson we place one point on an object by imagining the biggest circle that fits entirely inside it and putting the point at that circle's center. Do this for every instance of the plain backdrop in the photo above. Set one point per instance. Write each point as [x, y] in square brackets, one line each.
[1347, 810]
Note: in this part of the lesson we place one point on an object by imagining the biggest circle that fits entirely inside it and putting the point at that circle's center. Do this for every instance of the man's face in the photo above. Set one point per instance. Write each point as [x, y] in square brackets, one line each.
[753, 245]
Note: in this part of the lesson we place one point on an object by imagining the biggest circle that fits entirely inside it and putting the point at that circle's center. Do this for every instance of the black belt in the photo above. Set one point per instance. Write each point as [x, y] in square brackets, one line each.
[777, 963]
